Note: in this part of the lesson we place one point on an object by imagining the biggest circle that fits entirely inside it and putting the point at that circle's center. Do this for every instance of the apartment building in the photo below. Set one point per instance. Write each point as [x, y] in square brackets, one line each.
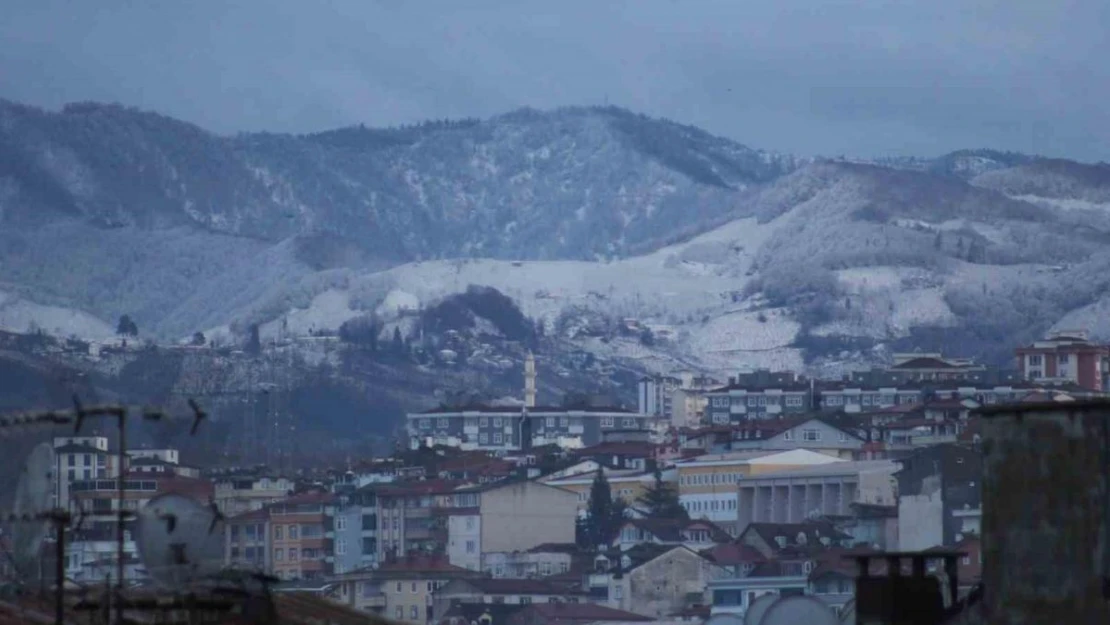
[830, 489]
[239, 492]
[539, 561]
[247, 541]
[939, 496]
[514, 516]
[400, 589]
[627, 485]
[707, 485]
[411, 515]
[297, 541]
[80, 458]
[654, 395]
[1066, 356]
[511, 428]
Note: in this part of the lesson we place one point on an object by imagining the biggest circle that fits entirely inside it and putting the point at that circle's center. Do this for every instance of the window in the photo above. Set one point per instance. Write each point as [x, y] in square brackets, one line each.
[549, 422]
[398, 586]
[425, 424]
[752, 401]
[966, 560]
[844, 437]
[497, 438]
[279, 554]
[497, 422]
[762, 400]
[788, 435]
[720, 418]
[399, 612]
[71, 459]
[564, 422]
[607, 422]
[628, 423]
[414, 587]
[1062, 359]
[618, 592]
[866, 400]
[441, 422]
[293, 554]
[834, 400]
[470, 546]
[483, 439]
[811, 435]
[469, 522]
[1034, 360]
[340, 523]
[483, 421]
[793, 401]
[292, 532]
[87, 459]
[340, 546]
[414, 612]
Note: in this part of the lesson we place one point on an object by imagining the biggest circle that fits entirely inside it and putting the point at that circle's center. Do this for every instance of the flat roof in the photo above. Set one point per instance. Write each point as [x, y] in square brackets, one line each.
[1097, 404]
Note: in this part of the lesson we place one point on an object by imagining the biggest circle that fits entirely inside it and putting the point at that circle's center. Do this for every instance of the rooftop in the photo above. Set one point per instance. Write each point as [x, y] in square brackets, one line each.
[844, 467]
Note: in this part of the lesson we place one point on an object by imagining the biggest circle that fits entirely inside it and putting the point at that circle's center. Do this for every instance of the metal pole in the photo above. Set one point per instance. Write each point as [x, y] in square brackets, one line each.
[59, 570]
[121, 459]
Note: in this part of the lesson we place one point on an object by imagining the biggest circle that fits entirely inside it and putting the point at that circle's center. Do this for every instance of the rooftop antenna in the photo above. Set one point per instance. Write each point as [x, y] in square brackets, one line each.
[180, 541]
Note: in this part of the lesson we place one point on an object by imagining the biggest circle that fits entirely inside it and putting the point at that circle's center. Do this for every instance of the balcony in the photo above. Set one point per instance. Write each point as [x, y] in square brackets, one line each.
[372, 602]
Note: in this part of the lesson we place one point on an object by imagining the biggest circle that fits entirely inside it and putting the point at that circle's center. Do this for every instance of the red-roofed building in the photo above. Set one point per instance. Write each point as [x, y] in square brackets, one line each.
[1067, 356]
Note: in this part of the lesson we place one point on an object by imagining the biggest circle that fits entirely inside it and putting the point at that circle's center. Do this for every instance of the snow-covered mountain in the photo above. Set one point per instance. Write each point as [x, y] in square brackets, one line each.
[595, 220]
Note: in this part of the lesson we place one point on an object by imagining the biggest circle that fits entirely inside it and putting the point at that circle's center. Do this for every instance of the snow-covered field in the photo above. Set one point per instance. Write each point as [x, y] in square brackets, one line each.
[21, 315]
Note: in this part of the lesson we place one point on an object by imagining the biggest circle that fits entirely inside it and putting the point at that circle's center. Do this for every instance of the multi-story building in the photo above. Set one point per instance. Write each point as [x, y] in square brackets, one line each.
[236, 493]
[939, 496]
[627, 485]
[411, 515]
[401, 589]
[654, 395]
[343, 531]
[707, 485]
[760, 395]
[540, 561]
[247, 543]
[514, 516]
[511, 428]
[297, 541]
[80, 458]
[1067, 356]
[796, 495]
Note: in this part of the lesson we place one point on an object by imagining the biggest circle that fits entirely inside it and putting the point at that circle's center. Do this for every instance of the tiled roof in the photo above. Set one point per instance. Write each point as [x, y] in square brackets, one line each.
[925, 363]
[730, 554]
[421, 487]
[555, 548]
[500, 586]
[576, 613]
[814, 532]
[517, 410]
[670, 530]
[74, 448]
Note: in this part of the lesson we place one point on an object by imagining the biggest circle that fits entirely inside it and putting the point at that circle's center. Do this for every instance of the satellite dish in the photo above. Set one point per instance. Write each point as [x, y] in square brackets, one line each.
[32, 497]
[180, 541]
[724, 619]
[759, 607]
[799, 609]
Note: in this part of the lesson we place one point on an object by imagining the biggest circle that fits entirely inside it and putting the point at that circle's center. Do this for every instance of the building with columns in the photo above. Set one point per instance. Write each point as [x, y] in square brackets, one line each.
[795, 495]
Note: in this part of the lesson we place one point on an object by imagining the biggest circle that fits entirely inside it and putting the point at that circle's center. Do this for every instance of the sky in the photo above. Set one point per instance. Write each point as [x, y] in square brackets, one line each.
[865, 78]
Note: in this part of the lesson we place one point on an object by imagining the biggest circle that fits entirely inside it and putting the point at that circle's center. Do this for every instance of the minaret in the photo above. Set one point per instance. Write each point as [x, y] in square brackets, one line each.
[530, 381]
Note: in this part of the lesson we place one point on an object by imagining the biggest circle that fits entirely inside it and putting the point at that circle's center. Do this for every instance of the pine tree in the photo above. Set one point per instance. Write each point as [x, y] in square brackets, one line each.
[660, 500]
[127, 326]
[604, 515]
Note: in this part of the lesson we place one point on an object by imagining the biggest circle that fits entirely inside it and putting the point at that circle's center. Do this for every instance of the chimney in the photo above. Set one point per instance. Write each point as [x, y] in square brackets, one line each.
[530, 381]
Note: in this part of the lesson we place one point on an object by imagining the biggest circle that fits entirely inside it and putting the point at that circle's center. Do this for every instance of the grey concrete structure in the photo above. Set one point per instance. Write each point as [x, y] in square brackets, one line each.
[1046, 513]
[511, 428]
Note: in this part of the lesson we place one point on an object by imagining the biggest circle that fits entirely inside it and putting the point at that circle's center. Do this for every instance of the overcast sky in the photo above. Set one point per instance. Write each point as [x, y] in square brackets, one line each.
[828, 77]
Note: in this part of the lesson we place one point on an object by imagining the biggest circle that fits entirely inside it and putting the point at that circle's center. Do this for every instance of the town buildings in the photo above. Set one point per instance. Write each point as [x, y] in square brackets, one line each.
[1066, 357]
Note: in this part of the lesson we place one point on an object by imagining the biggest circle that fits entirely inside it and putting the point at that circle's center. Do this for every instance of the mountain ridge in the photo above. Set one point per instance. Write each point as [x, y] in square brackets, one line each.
[578, 213]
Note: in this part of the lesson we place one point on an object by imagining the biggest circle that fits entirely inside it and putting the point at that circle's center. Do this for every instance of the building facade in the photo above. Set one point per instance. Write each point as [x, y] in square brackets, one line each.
[1066, 357]
[512, 428]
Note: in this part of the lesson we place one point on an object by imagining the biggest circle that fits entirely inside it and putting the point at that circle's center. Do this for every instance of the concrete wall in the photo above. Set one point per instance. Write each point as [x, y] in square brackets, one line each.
[464, 540]
[920, 521]
[1045, 510]
[526, 514]
[660, 587]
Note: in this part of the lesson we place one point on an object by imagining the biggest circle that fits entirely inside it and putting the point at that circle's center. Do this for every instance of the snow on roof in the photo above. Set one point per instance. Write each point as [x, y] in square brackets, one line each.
[797, 457]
